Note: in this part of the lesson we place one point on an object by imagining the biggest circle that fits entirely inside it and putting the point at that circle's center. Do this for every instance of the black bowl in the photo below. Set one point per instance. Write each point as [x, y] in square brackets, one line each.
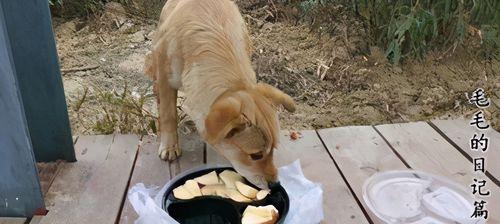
[217, 210]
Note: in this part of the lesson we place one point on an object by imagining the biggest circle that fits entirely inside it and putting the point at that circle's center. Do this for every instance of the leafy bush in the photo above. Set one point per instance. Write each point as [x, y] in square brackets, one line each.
[79, 8]
[412, 27]
[124, 112]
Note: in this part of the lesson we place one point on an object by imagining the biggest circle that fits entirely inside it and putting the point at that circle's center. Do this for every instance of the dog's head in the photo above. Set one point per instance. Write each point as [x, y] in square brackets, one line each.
[243, 127]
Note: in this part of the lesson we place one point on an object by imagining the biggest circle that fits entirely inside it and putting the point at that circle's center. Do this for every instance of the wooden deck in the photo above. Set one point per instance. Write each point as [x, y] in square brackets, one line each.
[93, 190]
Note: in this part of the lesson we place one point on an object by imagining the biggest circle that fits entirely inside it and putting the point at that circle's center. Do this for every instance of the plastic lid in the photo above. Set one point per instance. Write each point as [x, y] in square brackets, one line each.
[449, 204]
[428, 220]
[414, 197]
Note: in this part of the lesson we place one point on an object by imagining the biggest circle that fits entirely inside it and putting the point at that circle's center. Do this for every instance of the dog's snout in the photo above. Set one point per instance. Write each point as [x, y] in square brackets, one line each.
[273, 184]
[271, 173]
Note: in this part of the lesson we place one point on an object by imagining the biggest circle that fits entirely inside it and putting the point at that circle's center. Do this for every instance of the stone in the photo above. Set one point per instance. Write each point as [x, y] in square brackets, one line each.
[138, 37]
[398, 69]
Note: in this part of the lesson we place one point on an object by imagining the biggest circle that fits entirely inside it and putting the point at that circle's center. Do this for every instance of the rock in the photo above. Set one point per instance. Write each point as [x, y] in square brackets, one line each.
[376, 86]
[79, 25]
[267, 26]
[68, 27]
[260, 24]
[414, 110]
[427, 110]
[138, 37]
[377, 56]
[340, 53]
[125, 27]
[398, 69]
[361, 71]
[151, 34]
[115, 12]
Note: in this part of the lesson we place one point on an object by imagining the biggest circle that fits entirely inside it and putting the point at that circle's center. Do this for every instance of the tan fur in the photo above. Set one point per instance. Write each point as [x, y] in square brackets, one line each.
[203, 49]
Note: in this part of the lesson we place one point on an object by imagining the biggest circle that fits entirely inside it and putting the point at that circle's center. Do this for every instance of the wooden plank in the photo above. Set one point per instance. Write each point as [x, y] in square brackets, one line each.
[150, 170]
[20, 193]
[4, 220]
[36, 219]
[360, 152]
[47, 173]
[92, 189]
[424, 149]
[192, 154]
[340, 205]
[460, 132]
[34, 58]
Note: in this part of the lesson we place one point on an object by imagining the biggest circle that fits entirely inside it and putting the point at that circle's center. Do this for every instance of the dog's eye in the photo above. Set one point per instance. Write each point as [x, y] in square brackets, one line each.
[233, 131]
[256, 156]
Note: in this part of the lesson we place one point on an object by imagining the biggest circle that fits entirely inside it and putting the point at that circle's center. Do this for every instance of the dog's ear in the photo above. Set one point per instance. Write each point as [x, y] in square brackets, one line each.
[224, 120]
[276, 96]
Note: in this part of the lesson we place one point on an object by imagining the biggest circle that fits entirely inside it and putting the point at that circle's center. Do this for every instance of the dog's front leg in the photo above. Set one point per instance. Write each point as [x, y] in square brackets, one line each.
[167, 107]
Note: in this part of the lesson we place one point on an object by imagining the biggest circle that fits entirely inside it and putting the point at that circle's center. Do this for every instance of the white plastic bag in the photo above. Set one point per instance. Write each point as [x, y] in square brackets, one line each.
[306, 199]
[147, 209]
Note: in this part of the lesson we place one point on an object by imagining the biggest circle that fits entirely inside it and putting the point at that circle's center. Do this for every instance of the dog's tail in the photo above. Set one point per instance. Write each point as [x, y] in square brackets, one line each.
[150, 70]
[149, 66]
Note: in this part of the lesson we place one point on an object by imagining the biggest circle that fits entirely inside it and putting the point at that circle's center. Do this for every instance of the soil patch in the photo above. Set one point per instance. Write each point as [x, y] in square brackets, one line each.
[334, 76]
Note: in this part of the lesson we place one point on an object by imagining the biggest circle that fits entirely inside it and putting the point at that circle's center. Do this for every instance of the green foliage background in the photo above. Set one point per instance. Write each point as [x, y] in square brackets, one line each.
[79, 8]
[409, 28]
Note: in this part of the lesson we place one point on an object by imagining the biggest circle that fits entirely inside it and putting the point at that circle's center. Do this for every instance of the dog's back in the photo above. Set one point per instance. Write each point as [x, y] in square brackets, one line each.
[207, 50]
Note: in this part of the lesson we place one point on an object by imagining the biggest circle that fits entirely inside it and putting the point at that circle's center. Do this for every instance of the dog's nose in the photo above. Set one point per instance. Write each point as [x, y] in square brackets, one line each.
[273, 184]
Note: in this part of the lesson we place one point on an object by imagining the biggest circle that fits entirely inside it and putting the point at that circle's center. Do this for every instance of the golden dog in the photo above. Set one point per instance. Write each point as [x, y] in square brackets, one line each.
[203, 49]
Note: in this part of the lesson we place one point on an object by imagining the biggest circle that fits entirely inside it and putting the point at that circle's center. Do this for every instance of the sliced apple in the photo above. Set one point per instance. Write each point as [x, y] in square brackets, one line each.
[193, 188]
[181, 192]
[265, 211]
[246, 190]
[212, 189]
[235, 195]
[262, 194]
[208, 179]
[222, 192]
[260, 215]
[229, 178]
[251, 218]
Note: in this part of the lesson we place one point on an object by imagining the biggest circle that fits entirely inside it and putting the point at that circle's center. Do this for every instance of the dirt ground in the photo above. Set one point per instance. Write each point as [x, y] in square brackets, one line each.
[335, 77]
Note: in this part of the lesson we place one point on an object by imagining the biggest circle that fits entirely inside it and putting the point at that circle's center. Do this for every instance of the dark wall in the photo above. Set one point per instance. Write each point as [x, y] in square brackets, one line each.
[34, 57]
[20, 193]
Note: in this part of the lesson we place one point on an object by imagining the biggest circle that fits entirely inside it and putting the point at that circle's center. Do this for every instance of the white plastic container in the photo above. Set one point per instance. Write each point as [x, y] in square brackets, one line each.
[413, 197]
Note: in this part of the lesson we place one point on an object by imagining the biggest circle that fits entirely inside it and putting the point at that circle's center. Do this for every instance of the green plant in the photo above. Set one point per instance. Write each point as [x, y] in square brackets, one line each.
[412, 27]
[124, 112]
[410, 32]
[491, 41]
[409, 28]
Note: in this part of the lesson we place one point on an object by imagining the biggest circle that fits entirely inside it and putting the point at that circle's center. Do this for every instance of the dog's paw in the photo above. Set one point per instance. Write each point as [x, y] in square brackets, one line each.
[169, 153]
